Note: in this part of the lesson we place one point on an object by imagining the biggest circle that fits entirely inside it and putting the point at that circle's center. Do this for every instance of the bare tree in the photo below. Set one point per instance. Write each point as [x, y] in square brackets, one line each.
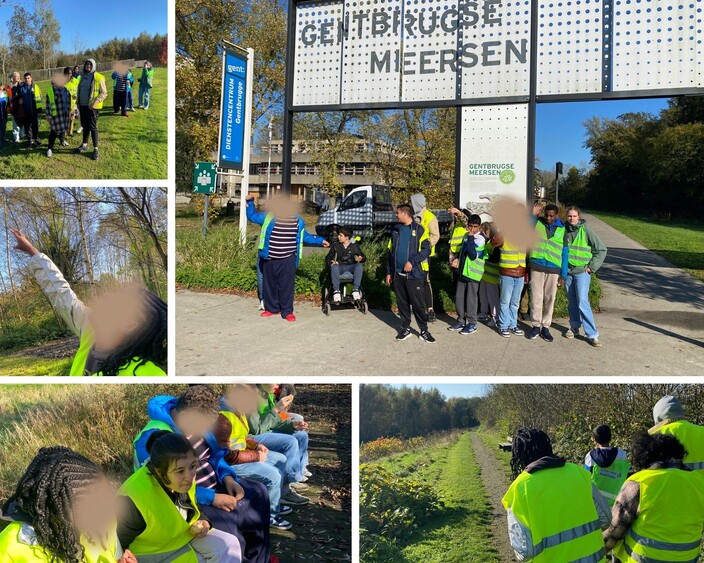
[79, 46]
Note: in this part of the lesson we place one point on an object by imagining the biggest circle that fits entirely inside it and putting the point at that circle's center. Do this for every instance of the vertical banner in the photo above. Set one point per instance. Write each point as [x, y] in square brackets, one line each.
[233, 110]
[493, 159]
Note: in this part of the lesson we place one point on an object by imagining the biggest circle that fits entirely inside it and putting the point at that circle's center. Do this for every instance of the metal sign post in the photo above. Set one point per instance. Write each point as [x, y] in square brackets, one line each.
[204, 182]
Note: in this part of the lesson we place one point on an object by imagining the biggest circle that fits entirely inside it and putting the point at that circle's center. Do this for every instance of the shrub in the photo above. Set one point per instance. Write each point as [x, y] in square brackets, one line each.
[381, 447]
[391, 509]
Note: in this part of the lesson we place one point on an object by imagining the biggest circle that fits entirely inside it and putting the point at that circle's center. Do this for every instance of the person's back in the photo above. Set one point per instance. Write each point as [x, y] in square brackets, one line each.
[557, 502]
[609, 469]
[670, 519]
[669, 418]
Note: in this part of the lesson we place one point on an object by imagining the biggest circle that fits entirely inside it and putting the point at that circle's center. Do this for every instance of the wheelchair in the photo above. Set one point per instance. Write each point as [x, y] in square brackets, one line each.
[346, 300]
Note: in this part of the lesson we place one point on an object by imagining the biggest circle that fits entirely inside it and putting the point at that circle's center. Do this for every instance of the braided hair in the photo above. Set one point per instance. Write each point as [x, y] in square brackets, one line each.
[45, 494]
[528, 445]
[147, 343]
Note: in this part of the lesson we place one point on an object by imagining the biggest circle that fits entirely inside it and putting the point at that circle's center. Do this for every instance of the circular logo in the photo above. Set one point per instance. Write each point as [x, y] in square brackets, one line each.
[507, 176]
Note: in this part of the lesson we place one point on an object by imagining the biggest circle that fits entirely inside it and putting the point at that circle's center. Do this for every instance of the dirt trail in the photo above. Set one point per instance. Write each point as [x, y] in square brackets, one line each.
[495, 484]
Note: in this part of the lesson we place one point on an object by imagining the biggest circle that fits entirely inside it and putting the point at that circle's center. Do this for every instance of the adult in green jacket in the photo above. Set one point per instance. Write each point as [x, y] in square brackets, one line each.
[146, 82]
[586, 254]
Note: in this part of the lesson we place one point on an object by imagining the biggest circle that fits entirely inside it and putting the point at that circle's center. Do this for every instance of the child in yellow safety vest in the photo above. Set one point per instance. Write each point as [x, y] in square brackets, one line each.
[159, 515]
[489, 286]
[470, 268]
[252, 459]
[58, 110]
[124, 331]
[62, 510]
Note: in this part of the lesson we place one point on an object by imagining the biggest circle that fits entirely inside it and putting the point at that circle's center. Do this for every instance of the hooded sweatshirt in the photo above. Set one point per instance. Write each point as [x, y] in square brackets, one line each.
[603, 457]
[419, 207]
[598, 247]
[159, 408]
[85, 86]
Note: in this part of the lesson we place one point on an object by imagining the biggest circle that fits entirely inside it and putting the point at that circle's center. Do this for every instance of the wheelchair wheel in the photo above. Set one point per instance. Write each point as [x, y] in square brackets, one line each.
[326, 308]
[363, 306]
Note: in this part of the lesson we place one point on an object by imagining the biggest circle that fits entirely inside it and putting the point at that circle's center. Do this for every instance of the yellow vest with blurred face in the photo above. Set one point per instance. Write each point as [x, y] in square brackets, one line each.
[240, 430]
[18, 544]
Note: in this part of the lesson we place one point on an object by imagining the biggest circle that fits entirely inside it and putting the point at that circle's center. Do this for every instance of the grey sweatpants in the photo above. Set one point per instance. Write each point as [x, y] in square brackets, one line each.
[467, 300]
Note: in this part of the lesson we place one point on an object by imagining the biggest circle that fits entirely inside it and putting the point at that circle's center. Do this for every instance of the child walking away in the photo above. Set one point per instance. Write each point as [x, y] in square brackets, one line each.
[160, 519]
[470, 269]
[63, 510]
[58, 110]
[123, 333]
[345, 256]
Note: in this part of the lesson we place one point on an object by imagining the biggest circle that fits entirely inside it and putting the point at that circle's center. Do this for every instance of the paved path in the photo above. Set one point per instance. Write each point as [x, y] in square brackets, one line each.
[652, 323]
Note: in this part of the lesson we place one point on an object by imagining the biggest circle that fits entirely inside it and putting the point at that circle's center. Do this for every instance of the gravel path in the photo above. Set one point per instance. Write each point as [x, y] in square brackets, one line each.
[495, 485]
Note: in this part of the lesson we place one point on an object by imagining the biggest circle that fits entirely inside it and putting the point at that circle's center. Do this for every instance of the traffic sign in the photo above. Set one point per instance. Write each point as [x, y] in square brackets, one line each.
[204, 177]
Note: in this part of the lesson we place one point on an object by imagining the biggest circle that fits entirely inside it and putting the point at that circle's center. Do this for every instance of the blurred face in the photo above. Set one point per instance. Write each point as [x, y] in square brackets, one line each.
[115, 315]
[94, 509]
[486, 232]
[28, 80]
[59, 79]
[282, 206]
[550, 216]
[179, 478]
[243, 399]
[573, 217]
[195, 423]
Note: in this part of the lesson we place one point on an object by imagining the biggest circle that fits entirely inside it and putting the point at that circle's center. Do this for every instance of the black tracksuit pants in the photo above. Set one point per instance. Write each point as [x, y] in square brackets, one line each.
[410, 295]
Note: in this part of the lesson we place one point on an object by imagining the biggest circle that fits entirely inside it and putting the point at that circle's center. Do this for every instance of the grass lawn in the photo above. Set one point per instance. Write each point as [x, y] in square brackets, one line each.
[27, 365]
[679, 243]
[461, 532]
[130, 148]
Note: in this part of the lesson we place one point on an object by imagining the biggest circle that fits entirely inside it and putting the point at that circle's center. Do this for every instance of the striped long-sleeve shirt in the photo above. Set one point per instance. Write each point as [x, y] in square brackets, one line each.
[284, 238]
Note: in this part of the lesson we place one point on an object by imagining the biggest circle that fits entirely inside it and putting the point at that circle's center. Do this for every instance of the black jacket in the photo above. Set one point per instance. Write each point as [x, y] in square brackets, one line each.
[345, 256]
[416, 256]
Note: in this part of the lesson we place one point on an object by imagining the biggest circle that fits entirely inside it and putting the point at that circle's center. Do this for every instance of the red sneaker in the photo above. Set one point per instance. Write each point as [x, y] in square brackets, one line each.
[268, 314]
[290, 318]
[274, 559]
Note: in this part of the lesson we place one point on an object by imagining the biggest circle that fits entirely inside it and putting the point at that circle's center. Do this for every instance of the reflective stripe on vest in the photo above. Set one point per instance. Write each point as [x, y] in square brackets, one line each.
[549, 249]
[691, 436]
[610, 479]
[167, 531]
[511, 257]
[456, 239]
[491, 273]
[428, 216]
[557, 507]
[670, 518]
[18, 543]
[474, 269]
[580, 253]
[240, 430]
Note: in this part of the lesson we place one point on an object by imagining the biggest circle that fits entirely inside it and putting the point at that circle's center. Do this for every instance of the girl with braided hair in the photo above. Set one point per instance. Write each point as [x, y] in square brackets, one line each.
[62, 511]
[555, 513]
[160, 518]
[124, 331]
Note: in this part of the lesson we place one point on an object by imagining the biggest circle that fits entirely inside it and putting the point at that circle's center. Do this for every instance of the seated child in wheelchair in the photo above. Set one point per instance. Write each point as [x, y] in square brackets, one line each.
[345, 257]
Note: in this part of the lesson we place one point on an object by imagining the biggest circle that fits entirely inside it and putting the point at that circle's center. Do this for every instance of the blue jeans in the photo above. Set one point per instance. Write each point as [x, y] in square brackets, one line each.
[509, 298]
[270, 473]
[577, 286]
[337, 269]
[144, 96]
[260, 279]
[294, 447]
[129, 100]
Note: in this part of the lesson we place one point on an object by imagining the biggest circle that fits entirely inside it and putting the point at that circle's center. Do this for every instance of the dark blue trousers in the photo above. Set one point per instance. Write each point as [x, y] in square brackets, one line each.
[279, 280]
[249, 522]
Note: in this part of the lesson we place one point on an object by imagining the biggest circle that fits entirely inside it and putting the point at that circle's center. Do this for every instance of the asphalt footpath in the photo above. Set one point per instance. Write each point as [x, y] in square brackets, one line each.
[651, 323]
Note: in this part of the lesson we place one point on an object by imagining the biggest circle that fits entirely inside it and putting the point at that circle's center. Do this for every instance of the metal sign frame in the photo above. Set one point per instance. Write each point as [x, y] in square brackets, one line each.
[532, 99]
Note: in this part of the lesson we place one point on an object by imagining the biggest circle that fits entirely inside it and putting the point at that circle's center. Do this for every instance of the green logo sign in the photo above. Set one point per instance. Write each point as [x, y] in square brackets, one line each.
[204, 176]
[507, 176]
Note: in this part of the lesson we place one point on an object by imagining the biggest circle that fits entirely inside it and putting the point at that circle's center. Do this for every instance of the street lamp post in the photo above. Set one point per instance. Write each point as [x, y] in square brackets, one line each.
[268, 169]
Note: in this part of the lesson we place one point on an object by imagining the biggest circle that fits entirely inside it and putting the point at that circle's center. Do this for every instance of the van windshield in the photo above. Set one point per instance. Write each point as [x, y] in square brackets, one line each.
[354, 200]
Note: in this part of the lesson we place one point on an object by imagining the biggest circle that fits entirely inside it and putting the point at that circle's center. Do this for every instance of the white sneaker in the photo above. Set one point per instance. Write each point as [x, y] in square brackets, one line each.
[356, 295]
[307, 473]
[261, 304]
[336, 297]
[79, 130]
[49, 153]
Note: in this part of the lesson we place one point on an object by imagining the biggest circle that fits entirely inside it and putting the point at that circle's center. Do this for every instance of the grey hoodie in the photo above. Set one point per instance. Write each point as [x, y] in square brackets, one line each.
[85, 86]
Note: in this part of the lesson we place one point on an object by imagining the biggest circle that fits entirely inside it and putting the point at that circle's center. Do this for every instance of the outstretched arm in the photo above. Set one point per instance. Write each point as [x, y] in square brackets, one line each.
[53, 284]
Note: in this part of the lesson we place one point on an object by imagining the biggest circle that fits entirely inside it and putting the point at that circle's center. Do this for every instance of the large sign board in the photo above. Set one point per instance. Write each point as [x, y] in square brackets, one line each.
[392, 54]
[233, 113]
